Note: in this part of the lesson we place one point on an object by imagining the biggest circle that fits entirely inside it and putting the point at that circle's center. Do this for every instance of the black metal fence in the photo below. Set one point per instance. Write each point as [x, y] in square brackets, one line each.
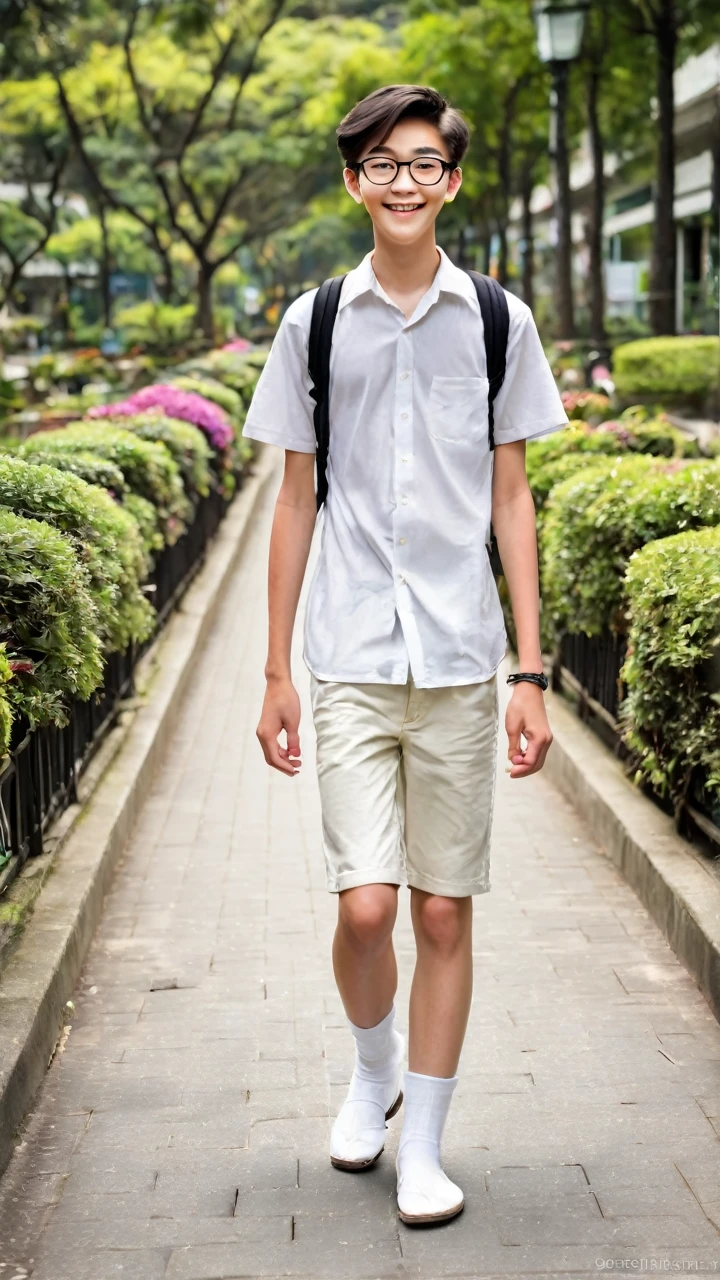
[39, 778]
[589, 668]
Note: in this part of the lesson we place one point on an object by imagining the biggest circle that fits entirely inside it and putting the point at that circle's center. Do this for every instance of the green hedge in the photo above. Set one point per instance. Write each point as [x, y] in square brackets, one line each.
[228, 399]
[87, 466]
[106, 540]
[186, 444]
[148, 468]
[560, 454]
[48, 620]
[671, 716]
[596, 519]
[673, 369]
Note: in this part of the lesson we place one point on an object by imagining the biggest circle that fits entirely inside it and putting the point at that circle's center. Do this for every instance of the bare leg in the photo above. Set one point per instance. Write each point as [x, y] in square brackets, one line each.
[363, 954]
[441, 991]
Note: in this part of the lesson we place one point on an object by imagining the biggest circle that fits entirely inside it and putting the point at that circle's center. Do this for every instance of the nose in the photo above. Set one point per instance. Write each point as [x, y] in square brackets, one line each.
[403, 182]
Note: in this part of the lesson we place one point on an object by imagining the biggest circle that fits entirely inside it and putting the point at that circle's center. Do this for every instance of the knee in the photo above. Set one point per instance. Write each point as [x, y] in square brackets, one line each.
[367, 916]
[442, 922]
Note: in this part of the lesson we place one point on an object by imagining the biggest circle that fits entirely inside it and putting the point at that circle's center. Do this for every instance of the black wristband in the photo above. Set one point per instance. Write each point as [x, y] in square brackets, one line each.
[532, 677]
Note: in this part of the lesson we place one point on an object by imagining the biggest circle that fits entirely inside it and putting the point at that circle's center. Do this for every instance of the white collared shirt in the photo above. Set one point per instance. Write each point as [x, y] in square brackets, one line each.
[403, 582]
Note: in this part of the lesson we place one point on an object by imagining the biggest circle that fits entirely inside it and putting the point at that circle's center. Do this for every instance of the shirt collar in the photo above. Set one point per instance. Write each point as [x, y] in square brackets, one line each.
[448, 279]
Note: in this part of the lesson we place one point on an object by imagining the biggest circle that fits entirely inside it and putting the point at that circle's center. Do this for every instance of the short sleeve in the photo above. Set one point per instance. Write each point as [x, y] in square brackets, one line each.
[281, 410]
[528, 404]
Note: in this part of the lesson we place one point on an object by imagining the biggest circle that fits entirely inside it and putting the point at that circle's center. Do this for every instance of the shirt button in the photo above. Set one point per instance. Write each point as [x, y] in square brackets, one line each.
[405, 373]
[402, 542]
[406, 459]
[404, 500]
[403, 415]
[403, 578]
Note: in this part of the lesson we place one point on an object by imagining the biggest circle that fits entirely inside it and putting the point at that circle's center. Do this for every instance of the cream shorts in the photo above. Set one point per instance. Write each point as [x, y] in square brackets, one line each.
[407, 783]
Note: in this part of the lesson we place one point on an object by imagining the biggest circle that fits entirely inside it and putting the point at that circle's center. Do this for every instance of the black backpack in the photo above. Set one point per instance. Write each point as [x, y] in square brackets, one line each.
[496, 323]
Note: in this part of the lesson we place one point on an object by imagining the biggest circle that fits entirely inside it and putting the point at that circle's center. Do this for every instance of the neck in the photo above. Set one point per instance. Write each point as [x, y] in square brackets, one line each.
[406, 268]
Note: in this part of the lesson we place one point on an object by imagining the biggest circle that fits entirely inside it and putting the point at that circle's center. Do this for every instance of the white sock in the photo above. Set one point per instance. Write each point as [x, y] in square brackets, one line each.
[424, 1190]
[359, 1130]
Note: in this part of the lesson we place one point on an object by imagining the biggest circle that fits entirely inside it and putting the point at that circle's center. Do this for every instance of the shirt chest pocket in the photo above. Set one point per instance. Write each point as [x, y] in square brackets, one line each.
[458, 410]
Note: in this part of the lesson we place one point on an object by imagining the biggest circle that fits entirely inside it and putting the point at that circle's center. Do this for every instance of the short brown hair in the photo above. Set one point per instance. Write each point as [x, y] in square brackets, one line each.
[373, 119]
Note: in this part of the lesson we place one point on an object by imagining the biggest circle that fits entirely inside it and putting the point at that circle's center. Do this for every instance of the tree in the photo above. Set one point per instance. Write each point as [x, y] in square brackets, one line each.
[35, 153]
[202, 141]
[669, 23]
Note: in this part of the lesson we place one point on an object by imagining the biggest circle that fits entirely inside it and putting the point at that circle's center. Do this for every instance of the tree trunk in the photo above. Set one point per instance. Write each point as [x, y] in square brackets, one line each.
[597, 212]
[204, 313]
[564, 288]
[663, 261]
[528, 265]
[105, 267]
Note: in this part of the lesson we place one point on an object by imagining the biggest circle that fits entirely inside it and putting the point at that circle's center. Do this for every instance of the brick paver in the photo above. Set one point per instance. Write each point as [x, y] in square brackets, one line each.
[182, 1132]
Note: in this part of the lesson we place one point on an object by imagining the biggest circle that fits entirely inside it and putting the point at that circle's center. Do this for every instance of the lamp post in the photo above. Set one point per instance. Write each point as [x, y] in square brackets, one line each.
[559, 25]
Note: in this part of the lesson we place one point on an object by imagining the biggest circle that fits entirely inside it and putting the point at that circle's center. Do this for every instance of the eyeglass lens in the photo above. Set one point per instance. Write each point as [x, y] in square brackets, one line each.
[425, 170]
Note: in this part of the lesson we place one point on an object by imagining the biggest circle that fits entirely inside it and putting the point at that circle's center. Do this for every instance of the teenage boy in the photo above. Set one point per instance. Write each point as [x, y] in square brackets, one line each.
[404, 631]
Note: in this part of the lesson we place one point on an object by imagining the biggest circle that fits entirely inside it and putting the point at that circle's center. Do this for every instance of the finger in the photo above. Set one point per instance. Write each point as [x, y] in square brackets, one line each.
[271, 751]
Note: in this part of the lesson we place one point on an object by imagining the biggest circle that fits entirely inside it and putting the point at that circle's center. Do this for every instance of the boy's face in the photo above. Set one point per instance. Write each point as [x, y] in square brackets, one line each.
[419, 203]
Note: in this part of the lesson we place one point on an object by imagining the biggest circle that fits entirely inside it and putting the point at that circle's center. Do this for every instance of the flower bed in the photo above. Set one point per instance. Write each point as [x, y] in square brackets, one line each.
[102, 525]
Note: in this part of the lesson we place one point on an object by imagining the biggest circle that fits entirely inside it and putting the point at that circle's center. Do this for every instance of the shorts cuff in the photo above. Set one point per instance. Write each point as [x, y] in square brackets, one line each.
[370, 875]
[447, 888]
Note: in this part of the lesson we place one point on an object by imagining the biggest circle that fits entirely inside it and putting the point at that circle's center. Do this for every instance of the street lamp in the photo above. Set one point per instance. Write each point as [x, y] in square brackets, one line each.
[559, 25]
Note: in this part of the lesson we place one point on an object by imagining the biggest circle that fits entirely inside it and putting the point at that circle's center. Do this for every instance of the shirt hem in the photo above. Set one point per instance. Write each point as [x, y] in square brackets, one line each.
[364, 678]
[278, 438]
[529, 430]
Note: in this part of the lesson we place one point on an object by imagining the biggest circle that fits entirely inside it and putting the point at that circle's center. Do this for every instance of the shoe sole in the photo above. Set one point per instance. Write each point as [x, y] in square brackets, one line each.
[427, 1219]
[356, 1166]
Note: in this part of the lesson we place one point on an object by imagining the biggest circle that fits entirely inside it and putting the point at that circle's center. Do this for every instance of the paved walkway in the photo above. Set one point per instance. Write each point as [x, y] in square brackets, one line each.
[182, 1132]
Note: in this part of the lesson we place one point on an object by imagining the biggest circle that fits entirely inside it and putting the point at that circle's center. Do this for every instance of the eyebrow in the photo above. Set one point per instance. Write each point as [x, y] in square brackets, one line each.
[419, 151]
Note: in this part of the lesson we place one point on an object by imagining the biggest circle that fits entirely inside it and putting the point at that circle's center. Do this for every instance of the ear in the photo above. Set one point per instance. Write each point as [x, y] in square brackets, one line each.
[454, 185]
[352, 185]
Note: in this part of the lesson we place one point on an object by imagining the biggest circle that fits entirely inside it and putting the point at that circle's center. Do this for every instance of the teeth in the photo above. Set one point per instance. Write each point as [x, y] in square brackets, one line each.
[404, 208]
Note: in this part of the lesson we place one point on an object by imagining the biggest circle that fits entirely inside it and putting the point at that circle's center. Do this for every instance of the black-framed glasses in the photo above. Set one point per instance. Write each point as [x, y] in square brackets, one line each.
[382, 170]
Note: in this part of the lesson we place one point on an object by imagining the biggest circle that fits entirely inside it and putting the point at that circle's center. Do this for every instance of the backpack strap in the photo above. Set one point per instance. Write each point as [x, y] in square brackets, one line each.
[324, 311]
[496, 326]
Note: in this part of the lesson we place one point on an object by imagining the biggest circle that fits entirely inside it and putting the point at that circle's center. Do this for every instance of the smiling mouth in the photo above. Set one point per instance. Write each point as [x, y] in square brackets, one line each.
[404, 208]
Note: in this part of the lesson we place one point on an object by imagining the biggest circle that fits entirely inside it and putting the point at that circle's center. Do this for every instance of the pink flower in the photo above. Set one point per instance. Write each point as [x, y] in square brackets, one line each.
[240, 344]
[186, 405]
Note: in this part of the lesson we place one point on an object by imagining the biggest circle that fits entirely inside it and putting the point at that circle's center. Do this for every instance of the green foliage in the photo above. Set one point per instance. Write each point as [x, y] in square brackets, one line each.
[87, 466]
[187, 445]
[560, 454]
[48, 621]
[145, 517]
[595, 520]
[212, 389]
[238, 370]
[674, 369]
[158, 326]
[6, 711]
[671, 716]
[105, 537]
[147, 467]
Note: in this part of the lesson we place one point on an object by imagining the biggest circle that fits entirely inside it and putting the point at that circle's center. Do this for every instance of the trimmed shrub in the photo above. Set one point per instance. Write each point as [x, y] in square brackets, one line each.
[145, 517]
[237, 370]
[586, 406]
[672, 369]
[211, 389]
[48, 621]
[148, 468]
[552, 458]
[87, 466]
[6, 711]
[105, 537]
[187, 445]
[671, 716]
[184, 405]
[596, 519]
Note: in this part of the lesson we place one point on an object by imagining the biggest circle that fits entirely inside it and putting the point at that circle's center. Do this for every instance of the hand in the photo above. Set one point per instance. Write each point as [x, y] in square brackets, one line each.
[281, 710]
[526, 714]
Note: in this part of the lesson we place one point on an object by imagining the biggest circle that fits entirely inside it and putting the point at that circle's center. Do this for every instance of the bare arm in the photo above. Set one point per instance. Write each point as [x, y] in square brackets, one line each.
[513, 515]
[290, 540]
